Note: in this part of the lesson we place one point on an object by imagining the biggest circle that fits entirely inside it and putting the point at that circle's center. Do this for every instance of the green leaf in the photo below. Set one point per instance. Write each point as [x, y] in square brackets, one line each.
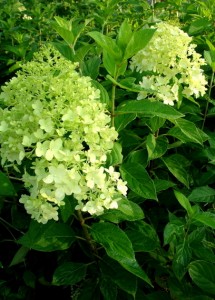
[127, 211]
[65, 50]
[107, 44]
[67, 210]
[88, 291]
[174, 165]
[184, 202]
[138, 41]
[138, 180]
[181, 260]
[138, 157]
[91, 67]
[143, 237]
[203, 253]
[172, 231]
[6, 187]
[202, 194]
[19, 257]
[155, 123]
[81, 52]
[63, 23]
[66, 34]
[112, 270]
[30, 279]
[69, 273]
[48, 237]
[121, 121]
[112, 65]
[118, 246]
[206, 218]
[199, 25]
[148, 108]
[104, 97]
[156, 147]
[115, 156]
[203, 275]
[187, 131]
[127, 83]
[124, 35]
[162, 185]
[109, 291]
[210, 58]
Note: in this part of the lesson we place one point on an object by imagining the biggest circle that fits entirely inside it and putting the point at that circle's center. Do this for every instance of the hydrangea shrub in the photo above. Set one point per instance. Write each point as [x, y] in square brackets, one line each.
[52, 117]
[173, 66]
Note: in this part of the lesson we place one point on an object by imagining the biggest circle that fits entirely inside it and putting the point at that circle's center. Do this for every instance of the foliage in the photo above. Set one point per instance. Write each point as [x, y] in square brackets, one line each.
[74, 135]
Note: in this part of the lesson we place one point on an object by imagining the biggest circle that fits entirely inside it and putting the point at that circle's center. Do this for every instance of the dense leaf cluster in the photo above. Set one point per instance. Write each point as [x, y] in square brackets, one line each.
[158, 241]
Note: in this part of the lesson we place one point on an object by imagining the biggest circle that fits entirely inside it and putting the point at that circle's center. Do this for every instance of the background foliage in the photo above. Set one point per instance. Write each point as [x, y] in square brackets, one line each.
[160, 243]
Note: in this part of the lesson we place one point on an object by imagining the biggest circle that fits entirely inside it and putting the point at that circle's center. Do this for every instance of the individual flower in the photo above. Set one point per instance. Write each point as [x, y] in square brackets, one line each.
[54, 124]
[171, 66]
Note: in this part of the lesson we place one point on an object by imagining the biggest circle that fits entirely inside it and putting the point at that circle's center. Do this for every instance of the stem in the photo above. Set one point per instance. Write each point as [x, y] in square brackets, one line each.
[209, 96]
[113, 94]
[86, 234]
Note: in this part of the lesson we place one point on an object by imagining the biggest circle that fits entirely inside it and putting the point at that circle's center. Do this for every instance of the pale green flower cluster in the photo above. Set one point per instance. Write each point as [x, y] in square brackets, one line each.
[54, 121]
[172, 64]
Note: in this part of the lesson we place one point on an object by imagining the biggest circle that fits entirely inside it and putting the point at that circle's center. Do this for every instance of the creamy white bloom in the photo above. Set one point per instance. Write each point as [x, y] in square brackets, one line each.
[58, 125]
[172, 64]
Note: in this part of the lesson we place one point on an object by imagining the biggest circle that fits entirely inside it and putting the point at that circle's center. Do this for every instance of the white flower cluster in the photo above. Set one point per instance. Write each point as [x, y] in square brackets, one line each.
[172, 64]
[54, 121]
[26, 17]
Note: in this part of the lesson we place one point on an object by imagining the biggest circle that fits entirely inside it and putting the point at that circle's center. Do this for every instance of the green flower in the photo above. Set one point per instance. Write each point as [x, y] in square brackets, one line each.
[172, 64]
[56, 122]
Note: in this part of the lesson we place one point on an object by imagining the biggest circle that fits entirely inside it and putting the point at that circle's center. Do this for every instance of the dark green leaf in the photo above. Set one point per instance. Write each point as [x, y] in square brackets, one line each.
[109, 291]
[138, 180]
[104, 97]
[199, 26]
[187, 131]
[210, 58]
[149, 108]
[117, 274]
[6, 187]
[67, 210]
[203, 275]
[65, 50]
[118, 246]
[172, 231]
[174, 165]
[48, 237]
[181, 260]
[138, 157]
[162, 185]
[143, 237]
[184, 202]
[155, 123]
[127, 211]
[115, 156]
[156, 147]
[69, 273]
[206, 218]
[121, 121]
[19, 257]
[202, 194]
[30, 279]
[91, 67]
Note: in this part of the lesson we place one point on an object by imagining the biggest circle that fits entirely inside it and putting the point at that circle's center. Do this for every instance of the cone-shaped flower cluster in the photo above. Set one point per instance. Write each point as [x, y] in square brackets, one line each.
[172, 66]
[54, 124]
